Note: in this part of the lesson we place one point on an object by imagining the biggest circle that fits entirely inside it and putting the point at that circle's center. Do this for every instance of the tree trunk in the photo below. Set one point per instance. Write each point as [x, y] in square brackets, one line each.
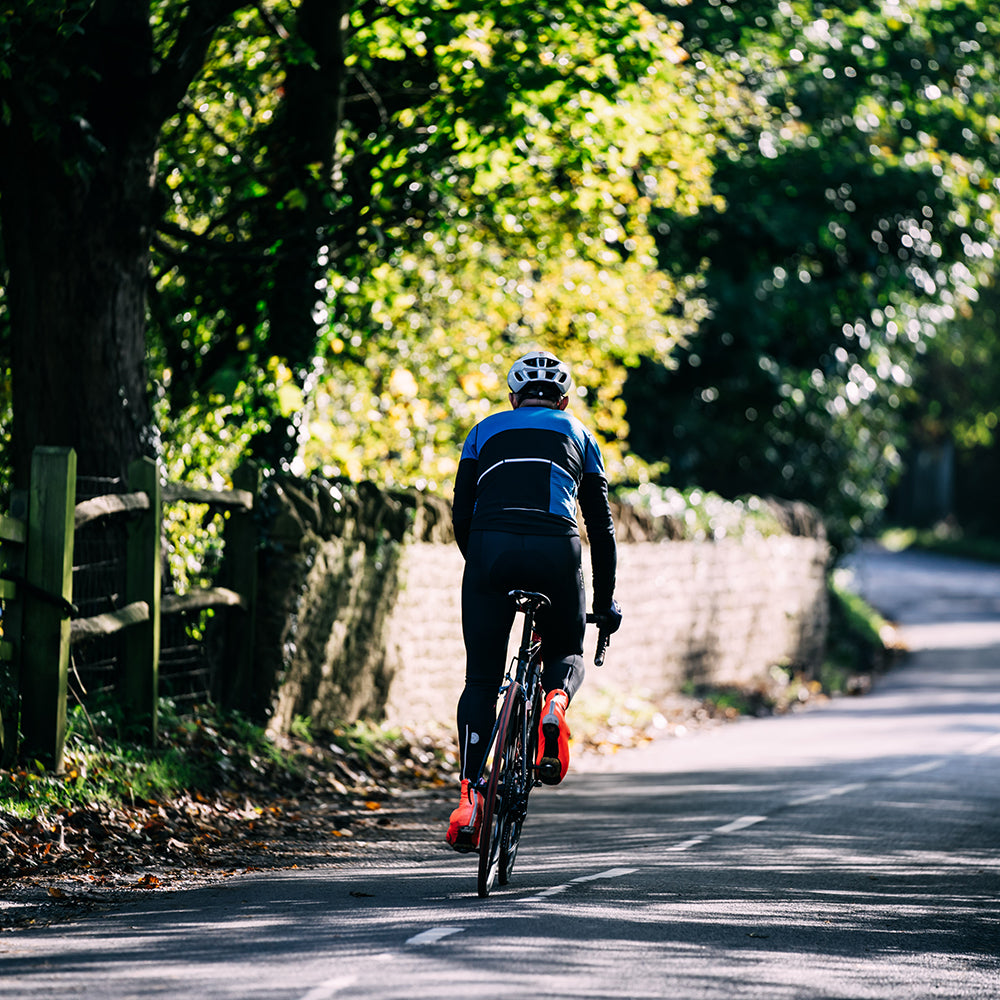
[76, 175]
[77, 255]
[83, 106]
[307, 128]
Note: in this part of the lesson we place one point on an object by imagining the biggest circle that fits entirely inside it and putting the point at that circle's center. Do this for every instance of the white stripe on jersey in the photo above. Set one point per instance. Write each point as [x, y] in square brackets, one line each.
[505, 461]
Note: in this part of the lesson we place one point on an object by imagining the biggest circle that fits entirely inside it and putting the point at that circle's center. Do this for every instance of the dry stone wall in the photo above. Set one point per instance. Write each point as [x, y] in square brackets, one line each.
[328, 580]
[719, 613]
[359, 610]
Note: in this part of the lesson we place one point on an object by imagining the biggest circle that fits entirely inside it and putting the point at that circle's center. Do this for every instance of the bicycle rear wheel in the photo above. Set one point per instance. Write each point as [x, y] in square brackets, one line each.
[522, 761]
[497, 797]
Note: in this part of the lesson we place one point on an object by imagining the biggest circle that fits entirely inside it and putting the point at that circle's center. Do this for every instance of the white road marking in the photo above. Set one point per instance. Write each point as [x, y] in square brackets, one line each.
[983, 745]
[610, 873]
[829, 793]
[433, 934]
[554, 890]
[927, 765]
[739, 824]
[685, 844]
[326, 990]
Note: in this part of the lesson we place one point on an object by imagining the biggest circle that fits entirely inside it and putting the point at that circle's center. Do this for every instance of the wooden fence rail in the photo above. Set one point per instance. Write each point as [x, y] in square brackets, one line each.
[39, 622]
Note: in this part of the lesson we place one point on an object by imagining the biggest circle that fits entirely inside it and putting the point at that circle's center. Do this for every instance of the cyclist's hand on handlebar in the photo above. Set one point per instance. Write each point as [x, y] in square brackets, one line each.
[609, 619]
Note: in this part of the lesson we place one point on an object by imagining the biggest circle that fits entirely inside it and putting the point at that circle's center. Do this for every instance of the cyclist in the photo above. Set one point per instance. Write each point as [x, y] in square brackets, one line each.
[520, 476]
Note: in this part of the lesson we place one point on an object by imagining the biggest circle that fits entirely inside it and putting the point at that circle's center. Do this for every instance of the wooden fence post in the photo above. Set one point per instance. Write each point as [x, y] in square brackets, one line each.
[141, 642]
[47, 601]
[13, 532]
[235, 686]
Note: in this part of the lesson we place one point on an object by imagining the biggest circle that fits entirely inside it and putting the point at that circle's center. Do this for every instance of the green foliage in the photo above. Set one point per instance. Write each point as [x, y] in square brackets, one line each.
[782, 690]
[301, 728]
[213, 266]
[201, 446]
[957, 389]
[485, 188]
[860, 620]
[859, 222]
[702, 516]
[945, 539]
[363, 740]
[762, 234]
[860, 642]
[546, 245]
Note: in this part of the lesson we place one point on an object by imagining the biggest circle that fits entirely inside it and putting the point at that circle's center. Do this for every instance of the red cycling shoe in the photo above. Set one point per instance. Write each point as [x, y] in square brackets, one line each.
[552, 762]
[467, 820]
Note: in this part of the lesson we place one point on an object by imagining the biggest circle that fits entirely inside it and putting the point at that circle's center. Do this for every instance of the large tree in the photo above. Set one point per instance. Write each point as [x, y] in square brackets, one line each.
[84, 90]
[263, 149]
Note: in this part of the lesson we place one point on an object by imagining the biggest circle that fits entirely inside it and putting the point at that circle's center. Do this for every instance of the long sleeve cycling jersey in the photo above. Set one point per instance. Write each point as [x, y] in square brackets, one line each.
[524, 471]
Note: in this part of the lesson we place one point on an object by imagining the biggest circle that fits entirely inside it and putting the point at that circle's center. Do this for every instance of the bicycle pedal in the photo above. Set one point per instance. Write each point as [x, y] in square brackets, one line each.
[467, 840]
[549, 771]
[549, 768]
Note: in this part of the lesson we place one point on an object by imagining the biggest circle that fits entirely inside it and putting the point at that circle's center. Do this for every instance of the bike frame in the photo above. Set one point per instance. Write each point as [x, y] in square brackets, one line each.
[525, 669]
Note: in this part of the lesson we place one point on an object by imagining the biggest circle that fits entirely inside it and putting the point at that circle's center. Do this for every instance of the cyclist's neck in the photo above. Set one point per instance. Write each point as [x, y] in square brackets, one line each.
[535, 401]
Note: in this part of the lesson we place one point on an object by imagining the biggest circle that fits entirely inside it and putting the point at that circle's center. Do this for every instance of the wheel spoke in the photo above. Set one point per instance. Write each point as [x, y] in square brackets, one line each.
[515, 793]
[496, 796]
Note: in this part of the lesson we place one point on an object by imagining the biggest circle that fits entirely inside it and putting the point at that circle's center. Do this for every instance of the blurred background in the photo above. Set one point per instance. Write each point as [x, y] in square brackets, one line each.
[316, 234]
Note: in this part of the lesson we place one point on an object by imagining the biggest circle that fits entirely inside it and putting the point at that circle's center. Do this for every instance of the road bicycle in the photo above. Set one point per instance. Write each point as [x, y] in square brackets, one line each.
[514, 745]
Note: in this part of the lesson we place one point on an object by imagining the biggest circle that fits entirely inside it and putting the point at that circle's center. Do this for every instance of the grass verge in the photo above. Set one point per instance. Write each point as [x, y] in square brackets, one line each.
[199, 751]
[206, 750]
[945, 539]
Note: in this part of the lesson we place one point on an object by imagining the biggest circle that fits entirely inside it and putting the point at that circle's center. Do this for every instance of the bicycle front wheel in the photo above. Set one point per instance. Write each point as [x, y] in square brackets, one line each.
[497, 797]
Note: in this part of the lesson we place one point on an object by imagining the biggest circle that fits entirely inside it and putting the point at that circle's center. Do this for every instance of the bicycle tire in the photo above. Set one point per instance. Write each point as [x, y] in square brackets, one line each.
[525, 773]
[497, 794]
[517, 782]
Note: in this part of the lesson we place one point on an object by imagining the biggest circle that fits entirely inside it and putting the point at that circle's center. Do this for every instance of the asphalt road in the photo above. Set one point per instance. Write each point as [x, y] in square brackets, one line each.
[849, 851]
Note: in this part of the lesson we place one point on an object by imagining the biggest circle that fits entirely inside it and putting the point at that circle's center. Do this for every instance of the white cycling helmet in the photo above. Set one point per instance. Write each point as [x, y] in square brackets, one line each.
[540, 367]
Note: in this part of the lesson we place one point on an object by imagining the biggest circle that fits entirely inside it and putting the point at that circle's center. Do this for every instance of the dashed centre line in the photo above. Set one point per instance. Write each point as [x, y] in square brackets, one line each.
[610, 873]
[686, 844]
[556, 889]
[984, 745]
[433, 935]
[927, 765]
[326, 990]
[828, 793]
[739, 824]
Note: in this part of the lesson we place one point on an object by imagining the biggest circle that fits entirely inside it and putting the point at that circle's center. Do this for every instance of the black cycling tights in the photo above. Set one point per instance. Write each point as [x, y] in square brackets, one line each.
[496, 563]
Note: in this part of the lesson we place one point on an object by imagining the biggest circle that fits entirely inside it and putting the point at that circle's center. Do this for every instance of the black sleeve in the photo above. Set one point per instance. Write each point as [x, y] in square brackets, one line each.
[601, 536]
[464, 502]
